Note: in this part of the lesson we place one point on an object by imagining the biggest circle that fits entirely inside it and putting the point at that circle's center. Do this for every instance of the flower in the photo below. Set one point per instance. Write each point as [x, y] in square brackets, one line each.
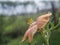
[29, 21]
[40, 24]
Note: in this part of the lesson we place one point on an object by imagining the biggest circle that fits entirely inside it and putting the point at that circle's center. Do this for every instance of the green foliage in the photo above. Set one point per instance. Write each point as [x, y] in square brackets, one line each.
[17, 24]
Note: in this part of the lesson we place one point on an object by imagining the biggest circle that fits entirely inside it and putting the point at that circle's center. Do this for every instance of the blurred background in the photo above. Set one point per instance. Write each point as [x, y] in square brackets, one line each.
[16, 14]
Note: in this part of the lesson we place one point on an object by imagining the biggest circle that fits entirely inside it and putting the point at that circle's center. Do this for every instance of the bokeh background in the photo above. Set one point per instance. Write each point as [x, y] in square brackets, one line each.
[14, 16]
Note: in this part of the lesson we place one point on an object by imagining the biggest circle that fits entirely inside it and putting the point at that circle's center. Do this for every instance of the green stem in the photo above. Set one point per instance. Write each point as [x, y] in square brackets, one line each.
[47, 42]
[46, 37]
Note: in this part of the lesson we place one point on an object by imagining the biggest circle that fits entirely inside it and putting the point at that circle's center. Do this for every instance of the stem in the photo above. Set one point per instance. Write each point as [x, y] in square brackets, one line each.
[46, 36]
[47, 42]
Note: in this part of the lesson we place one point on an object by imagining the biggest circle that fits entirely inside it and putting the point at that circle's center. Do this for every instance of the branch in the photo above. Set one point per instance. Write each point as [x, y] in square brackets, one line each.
[57, 26]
